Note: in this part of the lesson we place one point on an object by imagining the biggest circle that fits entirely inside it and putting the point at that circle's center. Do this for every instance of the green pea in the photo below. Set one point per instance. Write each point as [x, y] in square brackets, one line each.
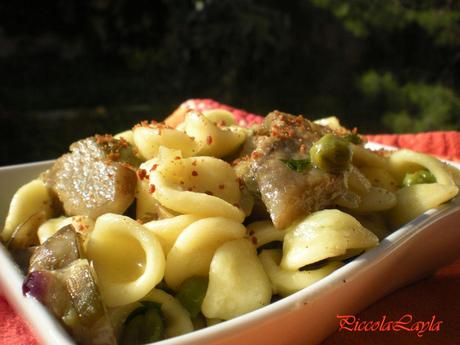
[132, 331]
[331, 154]
[144, 325]
[191, 294]
[153, 326]
[420, 176]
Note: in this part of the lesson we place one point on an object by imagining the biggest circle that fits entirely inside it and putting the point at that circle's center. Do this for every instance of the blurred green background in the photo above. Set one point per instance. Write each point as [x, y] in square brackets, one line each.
[72, 68]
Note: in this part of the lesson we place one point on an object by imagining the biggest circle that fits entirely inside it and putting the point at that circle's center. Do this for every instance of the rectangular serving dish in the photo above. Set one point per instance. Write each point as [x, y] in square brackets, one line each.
[306, 317]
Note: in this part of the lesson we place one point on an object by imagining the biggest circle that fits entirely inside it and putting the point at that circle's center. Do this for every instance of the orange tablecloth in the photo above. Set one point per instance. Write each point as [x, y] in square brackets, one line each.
[436, 296]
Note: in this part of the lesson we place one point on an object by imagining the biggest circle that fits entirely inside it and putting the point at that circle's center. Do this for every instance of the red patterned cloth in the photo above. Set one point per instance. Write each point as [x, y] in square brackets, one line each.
[441, 144]
[440, 291]
[242, 117]
[13, 330]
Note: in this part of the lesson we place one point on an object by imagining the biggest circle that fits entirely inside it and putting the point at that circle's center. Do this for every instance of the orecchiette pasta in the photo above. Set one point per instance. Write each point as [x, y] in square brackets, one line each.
[82, 224]
[380, 178]
[331, 122]
[404, 161]
[323, 234]
[416, 199]
[264, 232]
[376, 200]
[376, 223]
[177, 318]
[455, 173]
[126, 135]
[50, 227]
[211, 139]
[167, 230]
[237, 281]
[220, 117]
[30, 199]
[349, 200]
[149, 138]
[147, 206]
[363, 157]
[286, 282]
[193, 250]
[357, 182]
[128, 259]
[204, 186]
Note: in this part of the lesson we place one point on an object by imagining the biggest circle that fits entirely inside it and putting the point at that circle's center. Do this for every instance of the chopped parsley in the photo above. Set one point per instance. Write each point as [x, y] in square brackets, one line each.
[298, 165]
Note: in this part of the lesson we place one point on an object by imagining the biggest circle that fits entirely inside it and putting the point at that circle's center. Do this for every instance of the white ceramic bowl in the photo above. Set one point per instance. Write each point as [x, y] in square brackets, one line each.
[306, 317]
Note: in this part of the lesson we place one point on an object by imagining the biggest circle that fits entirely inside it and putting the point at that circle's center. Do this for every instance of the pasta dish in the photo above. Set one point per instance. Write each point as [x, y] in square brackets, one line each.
[171, 227]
